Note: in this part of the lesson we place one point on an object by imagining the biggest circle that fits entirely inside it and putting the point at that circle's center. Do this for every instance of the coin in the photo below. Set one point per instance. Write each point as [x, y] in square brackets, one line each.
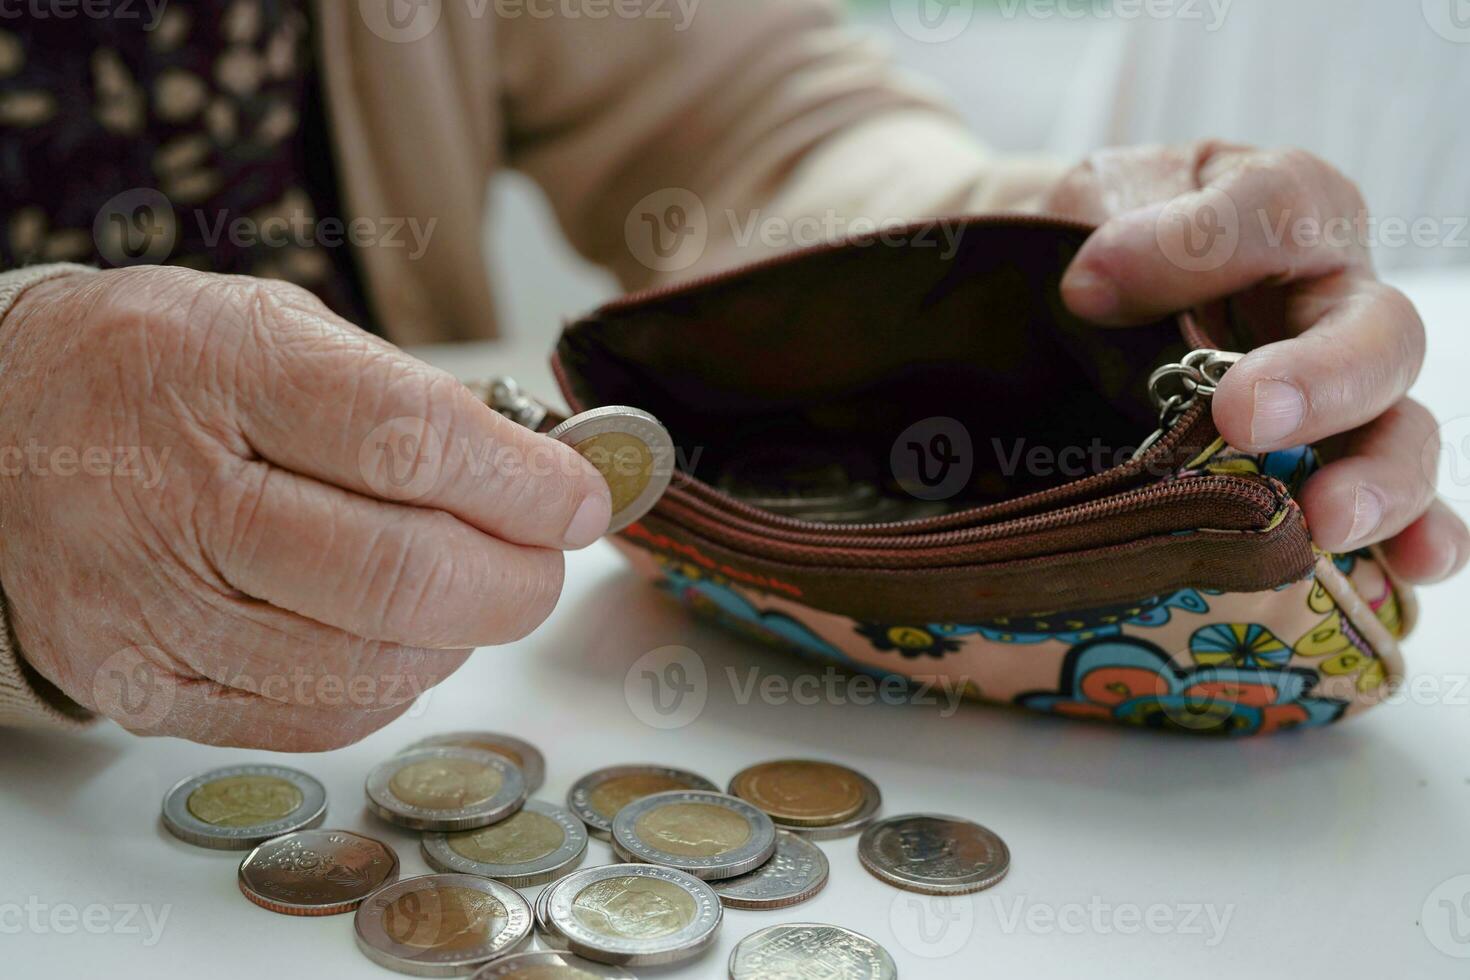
[539, 842]
[598, 796]
[804, 793]
[550, 966]
[795, 873]
[544, 929]
[934, 854]
[709, 835]
[525, 755]
[781, 788]
[631, 449]
[316, 872]
[634, 914]
[445, 789]
[238, 807]
[441, 925]
[809, 949]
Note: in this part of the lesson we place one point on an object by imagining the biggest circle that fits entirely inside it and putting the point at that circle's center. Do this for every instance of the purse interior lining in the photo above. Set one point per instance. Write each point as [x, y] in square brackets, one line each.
[831, 354]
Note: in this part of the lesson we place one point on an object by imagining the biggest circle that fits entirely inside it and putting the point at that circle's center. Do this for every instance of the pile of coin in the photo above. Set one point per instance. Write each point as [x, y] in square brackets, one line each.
[689, 852]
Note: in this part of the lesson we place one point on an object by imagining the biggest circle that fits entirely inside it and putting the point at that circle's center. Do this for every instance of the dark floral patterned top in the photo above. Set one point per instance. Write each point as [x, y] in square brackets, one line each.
[183, 134]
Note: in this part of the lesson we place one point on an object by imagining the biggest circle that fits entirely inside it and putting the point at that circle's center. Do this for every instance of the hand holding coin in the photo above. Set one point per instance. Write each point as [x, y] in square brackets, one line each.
[316, 527]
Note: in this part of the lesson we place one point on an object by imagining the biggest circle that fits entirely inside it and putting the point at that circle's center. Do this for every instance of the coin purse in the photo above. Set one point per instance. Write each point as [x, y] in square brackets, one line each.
[907, 458]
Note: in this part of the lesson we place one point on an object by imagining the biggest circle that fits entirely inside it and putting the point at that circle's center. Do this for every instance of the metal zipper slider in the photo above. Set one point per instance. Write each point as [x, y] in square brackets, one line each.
[1175, 388]
[505, 396]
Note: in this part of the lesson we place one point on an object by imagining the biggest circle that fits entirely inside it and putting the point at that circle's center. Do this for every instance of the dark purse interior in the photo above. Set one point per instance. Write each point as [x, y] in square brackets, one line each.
[816, 362]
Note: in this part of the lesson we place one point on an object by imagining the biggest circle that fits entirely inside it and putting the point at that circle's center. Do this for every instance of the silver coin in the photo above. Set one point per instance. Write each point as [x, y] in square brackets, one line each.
[525, 755]
[872, 803]
[441, 925]
[550, 965]
[597, 797]
[316, 872]
[237, 807]
[544, 929]
[634, 914]
[809, 949]
[795, 873]
[534, 845]
[631, 449]
[933, 854]
[445, 789]
[709, 835]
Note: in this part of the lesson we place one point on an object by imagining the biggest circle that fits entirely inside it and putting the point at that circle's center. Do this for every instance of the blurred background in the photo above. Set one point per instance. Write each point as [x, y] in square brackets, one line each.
[1378, 87]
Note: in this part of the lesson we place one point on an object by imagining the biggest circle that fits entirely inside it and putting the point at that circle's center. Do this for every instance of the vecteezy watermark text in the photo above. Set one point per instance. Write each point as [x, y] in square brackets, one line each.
[669, 687]
[65, 919]
[142, 463]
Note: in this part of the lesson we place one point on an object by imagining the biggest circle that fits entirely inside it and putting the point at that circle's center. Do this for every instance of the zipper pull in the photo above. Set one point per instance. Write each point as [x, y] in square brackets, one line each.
[505, 396]
[1175, 388]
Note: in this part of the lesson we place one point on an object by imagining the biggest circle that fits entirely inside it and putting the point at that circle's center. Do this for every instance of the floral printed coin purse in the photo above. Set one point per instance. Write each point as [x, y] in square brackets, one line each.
[911, 459]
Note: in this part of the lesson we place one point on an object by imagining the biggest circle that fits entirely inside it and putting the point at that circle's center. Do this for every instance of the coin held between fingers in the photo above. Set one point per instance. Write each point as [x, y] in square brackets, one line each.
[633, 452]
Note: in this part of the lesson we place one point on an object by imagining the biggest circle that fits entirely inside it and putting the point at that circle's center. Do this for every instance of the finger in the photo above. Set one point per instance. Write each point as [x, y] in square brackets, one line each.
[330, 402]
[1361, 350]
[1241, 229]
[1378, 487]
[1431, 549]
[383, 571]
[211, 714]
[248, 645]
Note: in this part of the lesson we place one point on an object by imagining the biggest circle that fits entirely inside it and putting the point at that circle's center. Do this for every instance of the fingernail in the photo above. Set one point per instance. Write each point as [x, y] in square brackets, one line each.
[1367, 515]
[1278, 411]
[1090, 295]
[590, 522]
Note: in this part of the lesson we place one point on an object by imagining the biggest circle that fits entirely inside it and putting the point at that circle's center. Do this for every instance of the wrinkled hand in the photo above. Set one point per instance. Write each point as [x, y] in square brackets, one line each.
[231, 516]
[1276, 233]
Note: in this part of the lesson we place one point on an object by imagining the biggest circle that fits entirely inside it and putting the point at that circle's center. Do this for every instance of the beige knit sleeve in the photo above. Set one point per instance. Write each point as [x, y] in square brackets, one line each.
[28, 700]
[748, 124]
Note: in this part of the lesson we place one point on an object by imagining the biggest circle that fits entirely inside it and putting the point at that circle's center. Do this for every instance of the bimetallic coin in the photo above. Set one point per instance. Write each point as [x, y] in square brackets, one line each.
[934, 854]
[550, 966]
[526, 756]
[597, 797]
[441, 925]
[631, 449]
[709, 835]
[808, 949]
[445, 789]
[544, 929]
[804, 793]
[634, 914]
[238, 807]
[316, 872]
[539, 842]
[796, 872]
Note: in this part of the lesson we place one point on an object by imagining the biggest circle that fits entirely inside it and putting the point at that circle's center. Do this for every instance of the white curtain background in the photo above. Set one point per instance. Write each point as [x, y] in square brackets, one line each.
[1370, 85]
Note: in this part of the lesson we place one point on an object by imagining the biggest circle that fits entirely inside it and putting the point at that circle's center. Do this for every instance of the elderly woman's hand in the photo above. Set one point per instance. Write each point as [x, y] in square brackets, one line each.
[1279, 233]
[233, 517]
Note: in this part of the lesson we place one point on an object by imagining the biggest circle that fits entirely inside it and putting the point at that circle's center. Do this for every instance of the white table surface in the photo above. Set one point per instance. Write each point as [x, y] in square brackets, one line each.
[1328, 849]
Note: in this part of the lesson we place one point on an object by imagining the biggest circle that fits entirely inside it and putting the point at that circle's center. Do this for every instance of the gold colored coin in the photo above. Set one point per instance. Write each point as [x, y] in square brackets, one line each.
[444, 919]
[520, 839]
[631, 449]
[613, 794]
[445, 784]
[624, 461]
[630, 907]
[802, 793]
[244, 801]
[693, 829]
